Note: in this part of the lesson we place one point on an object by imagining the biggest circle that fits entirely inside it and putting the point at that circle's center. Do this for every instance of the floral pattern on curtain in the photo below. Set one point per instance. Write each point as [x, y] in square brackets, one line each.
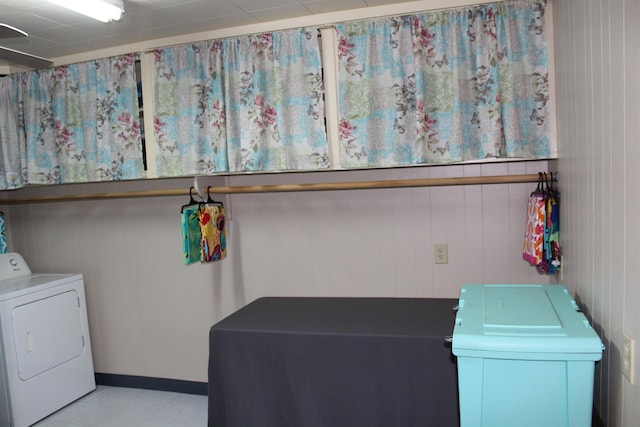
[12, 145]
[274, 100]
[189, 119]
[445, 86]
[81, 122]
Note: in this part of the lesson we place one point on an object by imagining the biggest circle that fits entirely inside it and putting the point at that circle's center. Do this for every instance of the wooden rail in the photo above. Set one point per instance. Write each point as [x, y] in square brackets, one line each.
[331, 186]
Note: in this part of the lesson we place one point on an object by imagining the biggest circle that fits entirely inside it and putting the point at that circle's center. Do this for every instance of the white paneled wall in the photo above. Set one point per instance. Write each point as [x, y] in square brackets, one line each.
[597, 46]
[150, 314]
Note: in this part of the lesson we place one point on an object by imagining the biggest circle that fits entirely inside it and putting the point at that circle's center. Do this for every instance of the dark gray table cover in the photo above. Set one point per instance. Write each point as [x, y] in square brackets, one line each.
[334, 362]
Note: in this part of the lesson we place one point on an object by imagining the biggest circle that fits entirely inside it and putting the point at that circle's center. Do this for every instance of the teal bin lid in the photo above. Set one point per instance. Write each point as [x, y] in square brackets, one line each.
[538, 322]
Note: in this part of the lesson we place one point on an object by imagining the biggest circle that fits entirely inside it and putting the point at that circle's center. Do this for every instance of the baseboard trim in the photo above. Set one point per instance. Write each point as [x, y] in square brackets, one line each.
[149, 383]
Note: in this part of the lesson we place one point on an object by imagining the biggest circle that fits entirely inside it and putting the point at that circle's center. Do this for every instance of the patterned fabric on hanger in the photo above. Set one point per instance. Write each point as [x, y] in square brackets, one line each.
[541, 241]
[213, 243]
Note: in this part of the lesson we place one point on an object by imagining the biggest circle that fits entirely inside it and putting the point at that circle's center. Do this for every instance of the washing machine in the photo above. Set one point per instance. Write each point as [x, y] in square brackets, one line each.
[45, 350]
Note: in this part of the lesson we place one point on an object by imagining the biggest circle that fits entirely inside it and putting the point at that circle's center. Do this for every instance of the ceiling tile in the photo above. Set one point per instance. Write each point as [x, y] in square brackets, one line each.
[28, 22]
[59, 14]
[40, 47]
[63, 34]
[252, 5]
[203, 9]
[383, 2]
[227, 22]
[282, 12]
[328, 6]
[22, 4]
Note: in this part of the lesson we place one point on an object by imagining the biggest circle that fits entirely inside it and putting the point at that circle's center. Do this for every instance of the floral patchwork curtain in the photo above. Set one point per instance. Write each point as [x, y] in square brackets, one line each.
[274, 102]
[12, 147]
[189, 118]
[81, 122]
[446, 86]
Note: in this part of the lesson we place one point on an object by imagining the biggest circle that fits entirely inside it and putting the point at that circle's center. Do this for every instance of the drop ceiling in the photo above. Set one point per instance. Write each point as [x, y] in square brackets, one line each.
[56, 32]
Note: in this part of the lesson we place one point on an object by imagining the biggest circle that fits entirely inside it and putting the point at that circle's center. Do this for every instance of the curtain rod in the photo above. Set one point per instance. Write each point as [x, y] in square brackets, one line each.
[279, 188]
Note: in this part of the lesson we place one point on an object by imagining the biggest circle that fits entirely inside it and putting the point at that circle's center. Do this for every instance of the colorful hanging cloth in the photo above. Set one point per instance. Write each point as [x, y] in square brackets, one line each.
[551, 261]
[191, 234]
[203, 230]
[541, 243]
[213, 243]
[190, 230]
[3, 236]
[534, 233]
[554, 237]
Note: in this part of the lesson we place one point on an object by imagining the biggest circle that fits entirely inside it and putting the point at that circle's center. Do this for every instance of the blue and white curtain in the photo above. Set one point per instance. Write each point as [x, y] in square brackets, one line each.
[13, 167]
[81, 122]
[249, 103]
[274, 101]
[189, 120]
[445, 86]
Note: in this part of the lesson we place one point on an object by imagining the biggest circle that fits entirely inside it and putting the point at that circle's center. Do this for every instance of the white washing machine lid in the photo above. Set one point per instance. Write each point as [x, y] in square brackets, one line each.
[23, 285]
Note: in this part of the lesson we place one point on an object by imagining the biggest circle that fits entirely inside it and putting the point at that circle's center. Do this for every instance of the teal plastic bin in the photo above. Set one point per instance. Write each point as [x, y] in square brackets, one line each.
[526, 357]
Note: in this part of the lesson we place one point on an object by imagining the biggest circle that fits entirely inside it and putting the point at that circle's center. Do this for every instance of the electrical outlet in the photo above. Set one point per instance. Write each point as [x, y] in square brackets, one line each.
[627, 357]
[440, 253]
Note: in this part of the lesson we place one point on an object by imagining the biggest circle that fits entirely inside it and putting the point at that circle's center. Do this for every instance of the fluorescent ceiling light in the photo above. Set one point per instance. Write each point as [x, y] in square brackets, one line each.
[102, 10]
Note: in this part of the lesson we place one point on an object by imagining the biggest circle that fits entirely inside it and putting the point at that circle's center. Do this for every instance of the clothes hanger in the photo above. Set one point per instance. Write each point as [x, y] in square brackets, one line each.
[547, 184]
[549, 190]
[540, 188]
[192, 201]
[554, 191]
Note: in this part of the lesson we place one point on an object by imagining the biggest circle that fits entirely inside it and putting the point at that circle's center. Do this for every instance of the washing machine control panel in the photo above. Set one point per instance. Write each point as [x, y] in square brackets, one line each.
[13, 265]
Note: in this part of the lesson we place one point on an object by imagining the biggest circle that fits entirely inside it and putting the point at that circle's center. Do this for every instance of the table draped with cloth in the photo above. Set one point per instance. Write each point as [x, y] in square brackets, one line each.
[334, 362]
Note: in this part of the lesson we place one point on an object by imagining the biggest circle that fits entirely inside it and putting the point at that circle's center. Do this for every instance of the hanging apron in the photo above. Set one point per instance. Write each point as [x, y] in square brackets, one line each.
[3, 236]
[534, 233]
[552, 235]
[191, 234]
[213, 243]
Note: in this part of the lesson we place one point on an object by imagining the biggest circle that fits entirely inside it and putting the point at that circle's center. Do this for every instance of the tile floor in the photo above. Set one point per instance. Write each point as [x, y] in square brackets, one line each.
[115, 406]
